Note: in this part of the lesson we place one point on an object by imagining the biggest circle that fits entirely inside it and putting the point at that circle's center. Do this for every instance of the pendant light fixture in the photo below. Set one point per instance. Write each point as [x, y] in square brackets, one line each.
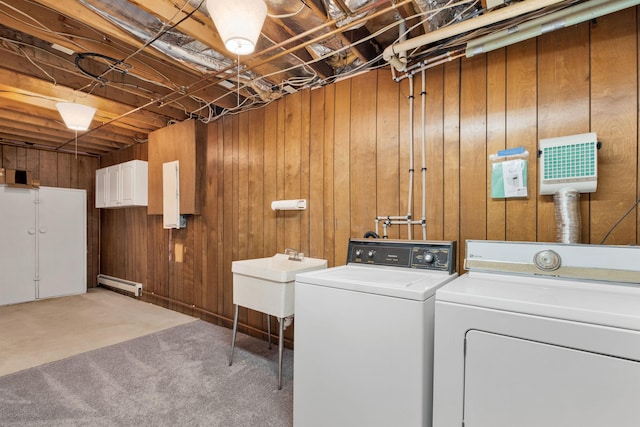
[238, 22]
[76, 116]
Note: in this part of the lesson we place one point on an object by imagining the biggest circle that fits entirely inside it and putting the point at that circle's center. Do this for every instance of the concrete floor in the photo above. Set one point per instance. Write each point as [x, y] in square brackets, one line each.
[43, 331]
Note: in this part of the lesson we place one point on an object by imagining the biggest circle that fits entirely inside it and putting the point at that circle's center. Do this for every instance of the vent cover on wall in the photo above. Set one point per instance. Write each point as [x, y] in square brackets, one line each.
[569, 161]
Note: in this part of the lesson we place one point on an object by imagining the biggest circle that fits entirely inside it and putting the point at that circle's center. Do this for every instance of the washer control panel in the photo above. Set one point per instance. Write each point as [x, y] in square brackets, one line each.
[417, 254]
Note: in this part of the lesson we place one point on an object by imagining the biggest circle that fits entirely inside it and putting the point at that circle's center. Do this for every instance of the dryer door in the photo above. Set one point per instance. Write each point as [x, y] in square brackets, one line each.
[516, 382]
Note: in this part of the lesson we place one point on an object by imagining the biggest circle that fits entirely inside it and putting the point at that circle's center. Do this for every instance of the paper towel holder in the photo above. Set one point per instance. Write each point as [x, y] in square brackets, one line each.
[289, 205]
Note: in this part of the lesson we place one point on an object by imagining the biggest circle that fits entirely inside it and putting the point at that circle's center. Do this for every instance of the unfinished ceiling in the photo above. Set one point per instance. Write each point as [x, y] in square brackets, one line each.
[145, 63]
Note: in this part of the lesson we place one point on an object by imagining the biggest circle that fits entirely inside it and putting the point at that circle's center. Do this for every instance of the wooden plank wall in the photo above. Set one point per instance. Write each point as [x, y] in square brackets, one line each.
[63, 170]
[345, 148]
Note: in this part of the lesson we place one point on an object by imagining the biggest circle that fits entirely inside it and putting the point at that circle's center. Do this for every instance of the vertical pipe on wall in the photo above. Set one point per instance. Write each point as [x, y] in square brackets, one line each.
[423, 170]
[411, 125]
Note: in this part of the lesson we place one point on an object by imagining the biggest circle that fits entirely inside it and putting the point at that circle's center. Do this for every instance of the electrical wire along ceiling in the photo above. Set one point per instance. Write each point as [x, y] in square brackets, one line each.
[143, 64]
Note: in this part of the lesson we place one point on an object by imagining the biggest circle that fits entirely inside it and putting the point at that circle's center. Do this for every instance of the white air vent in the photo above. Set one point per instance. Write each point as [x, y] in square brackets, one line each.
[569, 161]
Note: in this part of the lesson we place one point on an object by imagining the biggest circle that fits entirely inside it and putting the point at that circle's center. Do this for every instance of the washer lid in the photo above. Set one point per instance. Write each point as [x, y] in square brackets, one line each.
[404, 283]
[601, 303]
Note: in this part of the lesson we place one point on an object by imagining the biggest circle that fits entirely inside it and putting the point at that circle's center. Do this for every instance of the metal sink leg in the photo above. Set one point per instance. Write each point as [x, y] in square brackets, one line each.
[280, 346]
[233, 338]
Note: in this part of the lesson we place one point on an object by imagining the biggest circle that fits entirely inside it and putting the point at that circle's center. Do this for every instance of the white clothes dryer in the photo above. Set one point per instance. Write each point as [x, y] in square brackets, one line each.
[363, 352]
[539, 334]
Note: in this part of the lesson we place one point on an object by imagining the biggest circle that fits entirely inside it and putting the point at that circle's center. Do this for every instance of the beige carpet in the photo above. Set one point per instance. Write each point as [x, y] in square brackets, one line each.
[43, 331]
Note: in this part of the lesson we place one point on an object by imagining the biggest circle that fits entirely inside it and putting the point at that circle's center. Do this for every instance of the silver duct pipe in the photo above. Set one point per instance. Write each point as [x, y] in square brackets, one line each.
[567, 210]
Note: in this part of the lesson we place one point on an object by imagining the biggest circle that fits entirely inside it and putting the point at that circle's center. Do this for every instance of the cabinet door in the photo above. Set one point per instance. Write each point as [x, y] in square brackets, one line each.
[128, 183]
[113, 177]
[18, 245]
[102, 189]
[62, 248]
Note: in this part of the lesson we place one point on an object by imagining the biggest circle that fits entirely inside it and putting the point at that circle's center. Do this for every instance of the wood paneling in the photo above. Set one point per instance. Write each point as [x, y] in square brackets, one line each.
[614, 116]
[434, 138]
[522, 132]
[185, 142]
[451, 132]
[387, 152]
[345, 148]
[473, 150]
[563, 99]
[496, 136]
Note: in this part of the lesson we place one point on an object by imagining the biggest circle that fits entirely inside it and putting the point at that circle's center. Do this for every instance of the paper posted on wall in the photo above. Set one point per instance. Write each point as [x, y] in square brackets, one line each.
[509, 173]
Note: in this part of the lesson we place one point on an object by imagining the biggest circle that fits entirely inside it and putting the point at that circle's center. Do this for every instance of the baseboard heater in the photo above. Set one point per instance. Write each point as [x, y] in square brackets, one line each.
[124, 285]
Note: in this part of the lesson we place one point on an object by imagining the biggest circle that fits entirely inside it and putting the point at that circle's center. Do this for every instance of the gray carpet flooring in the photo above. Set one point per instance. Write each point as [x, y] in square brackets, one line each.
[176, 377]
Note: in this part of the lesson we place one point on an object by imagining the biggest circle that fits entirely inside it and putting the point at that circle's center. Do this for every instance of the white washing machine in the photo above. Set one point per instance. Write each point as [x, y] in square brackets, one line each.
[539, 334]
[363, 341]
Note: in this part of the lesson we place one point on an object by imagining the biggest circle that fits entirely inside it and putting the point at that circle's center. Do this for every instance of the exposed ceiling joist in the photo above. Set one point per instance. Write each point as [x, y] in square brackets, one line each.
[144, 63]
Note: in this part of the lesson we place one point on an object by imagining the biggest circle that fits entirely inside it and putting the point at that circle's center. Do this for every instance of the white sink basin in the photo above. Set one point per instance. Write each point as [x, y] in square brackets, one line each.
[278, 268]
[267, 284]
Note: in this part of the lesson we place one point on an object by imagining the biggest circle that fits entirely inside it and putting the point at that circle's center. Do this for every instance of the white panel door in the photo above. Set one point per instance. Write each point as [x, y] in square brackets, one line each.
[516, 382]
[62, 242]
[17, 245]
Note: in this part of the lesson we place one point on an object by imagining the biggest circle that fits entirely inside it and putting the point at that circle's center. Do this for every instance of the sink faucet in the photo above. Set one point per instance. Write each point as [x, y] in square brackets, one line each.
[293, 254]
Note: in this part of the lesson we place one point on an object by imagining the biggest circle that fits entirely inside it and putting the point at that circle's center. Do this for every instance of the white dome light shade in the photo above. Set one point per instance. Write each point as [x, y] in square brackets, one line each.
[76, 116]
[238, 22]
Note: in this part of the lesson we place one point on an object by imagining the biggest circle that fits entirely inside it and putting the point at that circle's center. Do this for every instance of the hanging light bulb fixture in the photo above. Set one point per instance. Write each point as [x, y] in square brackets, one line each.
[76, 116]
[238, 22]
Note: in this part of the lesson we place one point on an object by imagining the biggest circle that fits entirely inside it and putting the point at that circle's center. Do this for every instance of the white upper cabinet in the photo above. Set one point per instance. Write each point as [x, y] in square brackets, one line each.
[122, 185]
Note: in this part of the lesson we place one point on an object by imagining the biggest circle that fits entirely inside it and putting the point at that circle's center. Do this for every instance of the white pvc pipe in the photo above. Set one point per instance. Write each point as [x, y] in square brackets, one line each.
[563, 18]
[403, 217]
[411, 96]
[423, 96]
[415, 222]
[390, 54]
[402, 28]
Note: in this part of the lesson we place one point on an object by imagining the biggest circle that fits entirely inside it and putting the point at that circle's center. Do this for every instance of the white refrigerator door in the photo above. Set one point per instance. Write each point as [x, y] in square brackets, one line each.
[62, 242]
[17, 245]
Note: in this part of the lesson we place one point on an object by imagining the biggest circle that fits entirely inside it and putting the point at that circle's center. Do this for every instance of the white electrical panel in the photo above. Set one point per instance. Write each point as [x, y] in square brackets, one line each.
[171, 194]
[569, 162]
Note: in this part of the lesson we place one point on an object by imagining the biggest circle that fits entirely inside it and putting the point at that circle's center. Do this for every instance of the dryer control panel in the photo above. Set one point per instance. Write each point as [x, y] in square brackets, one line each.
[417, 254]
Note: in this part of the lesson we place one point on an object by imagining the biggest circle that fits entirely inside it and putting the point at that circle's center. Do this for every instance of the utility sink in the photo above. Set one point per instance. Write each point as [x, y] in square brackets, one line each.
[267, 284]
[278, 268]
